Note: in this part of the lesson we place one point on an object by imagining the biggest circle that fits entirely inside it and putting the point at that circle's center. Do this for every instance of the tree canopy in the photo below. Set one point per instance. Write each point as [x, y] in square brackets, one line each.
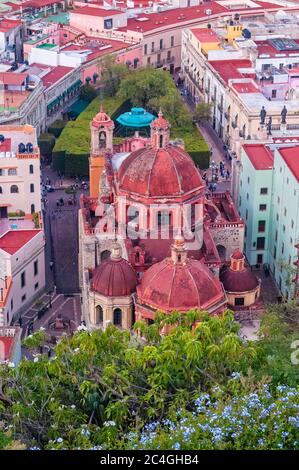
[113, 389]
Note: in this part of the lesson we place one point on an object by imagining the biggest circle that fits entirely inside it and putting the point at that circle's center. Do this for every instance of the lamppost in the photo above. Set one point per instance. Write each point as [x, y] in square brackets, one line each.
[213, 167]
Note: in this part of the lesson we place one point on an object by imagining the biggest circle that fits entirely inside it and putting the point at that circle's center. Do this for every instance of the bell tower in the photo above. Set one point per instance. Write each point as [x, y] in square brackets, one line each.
[160, 132]
[101, 130]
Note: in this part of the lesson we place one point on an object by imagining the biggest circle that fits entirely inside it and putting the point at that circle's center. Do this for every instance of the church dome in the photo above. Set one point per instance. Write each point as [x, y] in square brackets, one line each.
[102, 119]
[237, 277]
[159, 172]
[180, 283]
[114, 277]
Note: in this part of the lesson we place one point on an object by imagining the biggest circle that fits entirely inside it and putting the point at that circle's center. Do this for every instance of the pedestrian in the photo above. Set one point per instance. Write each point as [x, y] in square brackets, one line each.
[20, 322]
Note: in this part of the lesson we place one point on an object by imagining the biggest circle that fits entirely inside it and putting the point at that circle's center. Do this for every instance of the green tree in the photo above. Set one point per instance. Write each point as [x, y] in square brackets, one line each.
[112, 75]
[87, 93]
[145, 84]
[202, 112]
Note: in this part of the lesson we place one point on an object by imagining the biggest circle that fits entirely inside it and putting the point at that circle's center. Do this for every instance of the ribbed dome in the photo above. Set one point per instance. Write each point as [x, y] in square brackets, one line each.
[152, 172]
[114, 277]
[238, 281]
[172, 286]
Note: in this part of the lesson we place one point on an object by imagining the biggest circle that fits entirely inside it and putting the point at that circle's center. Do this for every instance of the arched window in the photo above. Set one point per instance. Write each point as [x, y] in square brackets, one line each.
[14, 188]
[1, 190]
[117, 314]
[102, 139]
[161, 141]
[31, 169]
[105, 255]
[99, 315]
[32, 208]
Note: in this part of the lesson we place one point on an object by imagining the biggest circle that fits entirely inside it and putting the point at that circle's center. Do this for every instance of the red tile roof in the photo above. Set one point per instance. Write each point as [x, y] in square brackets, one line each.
[259, 155]
[7, 24]
[55, 75]
[245, 87]
[13, 240]
[13, 78]
[38, 3]
[95, 11]
[229, 69]
[7, 343]
[205, 35]
[147, 22]
[291, 156]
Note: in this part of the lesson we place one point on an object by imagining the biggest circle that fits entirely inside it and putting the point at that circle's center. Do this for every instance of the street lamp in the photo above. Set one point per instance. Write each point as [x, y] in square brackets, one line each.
[213, 167]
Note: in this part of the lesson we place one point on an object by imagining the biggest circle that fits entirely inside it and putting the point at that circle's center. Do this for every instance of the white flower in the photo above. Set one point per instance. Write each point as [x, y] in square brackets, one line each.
[73, 407]
[59, 439]
[42, 328]
[35, 359]
[11, 364]
[109, 423]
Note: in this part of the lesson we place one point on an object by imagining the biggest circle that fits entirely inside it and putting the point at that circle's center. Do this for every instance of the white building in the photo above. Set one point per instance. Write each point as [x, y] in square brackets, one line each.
[22, 257]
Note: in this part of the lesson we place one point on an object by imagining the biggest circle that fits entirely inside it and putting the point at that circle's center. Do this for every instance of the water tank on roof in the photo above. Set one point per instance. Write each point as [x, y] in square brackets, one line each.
[246, 33]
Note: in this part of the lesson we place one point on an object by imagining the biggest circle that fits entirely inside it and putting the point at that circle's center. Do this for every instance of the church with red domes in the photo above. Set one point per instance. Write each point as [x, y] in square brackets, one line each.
[151, 235]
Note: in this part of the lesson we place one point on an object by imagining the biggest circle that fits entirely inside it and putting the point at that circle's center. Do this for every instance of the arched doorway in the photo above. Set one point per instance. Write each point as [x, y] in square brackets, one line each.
[117, 317]
[102, 139]
[105, 255]
[221, 252]
[99, 315]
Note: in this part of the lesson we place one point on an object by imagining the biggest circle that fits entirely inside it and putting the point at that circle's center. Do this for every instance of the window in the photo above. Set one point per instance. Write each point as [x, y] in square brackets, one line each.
[32, 188]
[264, 190]
[248, 180]
[168, 55]
[239, 301]
[172, 41]
[283, 228]
[276, 235]
[274, 93]
[148, 61]
[32, 207]
[288, 180]
[31, 169]
[260, 243]
[262, 225]
[240, 201]
[23, 279]
[263, 207]
[153, 46]
[285, 211]
[99, 315]
[247, 196]
[290, 259]
[36, 286]
[259, 259]
[277, 217]
[282, 248]
[278, 199]
[12, 171]
[145, 49]
[292, 223]
[274, 254]
[14, 188]
[23, 298]
[117, 317]
[2, 172]
[158, 58]
[161, 43]
[35, 267]
[1, 190]
[11, 304]
[246, 215]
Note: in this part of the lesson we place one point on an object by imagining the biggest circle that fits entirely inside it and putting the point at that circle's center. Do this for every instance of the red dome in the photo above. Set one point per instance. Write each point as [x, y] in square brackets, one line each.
[114, 278]
[171, 286]
[237, 254]
[161, 172]
[160, 122]
[102, 119]
[238, 281]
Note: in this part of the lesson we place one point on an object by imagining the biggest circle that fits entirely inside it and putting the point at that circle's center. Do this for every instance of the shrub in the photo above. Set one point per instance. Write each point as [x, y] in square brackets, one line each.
[46, 142]
[87, 93]
[57, 127]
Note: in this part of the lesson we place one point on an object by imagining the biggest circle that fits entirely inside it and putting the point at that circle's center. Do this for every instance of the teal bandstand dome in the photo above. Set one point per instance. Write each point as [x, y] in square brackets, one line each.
[136, 119]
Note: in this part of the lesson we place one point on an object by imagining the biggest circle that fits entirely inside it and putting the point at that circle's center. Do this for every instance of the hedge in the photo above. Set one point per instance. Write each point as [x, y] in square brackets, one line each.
[72, 148]
[197, 147]
[57, 127]
[46, 142]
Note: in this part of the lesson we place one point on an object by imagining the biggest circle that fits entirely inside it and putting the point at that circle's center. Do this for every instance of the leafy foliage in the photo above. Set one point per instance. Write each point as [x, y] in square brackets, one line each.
[87, 93]
[46, 143]
[110, 389]
[202, 112]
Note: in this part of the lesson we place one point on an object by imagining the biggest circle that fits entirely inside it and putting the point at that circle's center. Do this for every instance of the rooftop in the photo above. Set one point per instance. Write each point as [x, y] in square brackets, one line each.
[95, 11]
[291, 156]
[55, 75]
[13, 78]
[205, 35]
[230, 69]
[13, 240]
[260, 156]
[245, 87]
[8, 24]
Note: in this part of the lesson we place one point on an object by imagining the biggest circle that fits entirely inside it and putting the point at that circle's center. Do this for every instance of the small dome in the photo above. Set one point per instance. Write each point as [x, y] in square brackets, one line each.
[114, 277]
[102, 119]
[169, 286]
[238, 281]
[161, 172]
[160, 122]
[237, 254]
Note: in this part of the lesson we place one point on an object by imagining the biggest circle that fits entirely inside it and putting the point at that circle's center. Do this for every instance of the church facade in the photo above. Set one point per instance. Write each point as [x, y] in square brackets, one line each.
[151, 236]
